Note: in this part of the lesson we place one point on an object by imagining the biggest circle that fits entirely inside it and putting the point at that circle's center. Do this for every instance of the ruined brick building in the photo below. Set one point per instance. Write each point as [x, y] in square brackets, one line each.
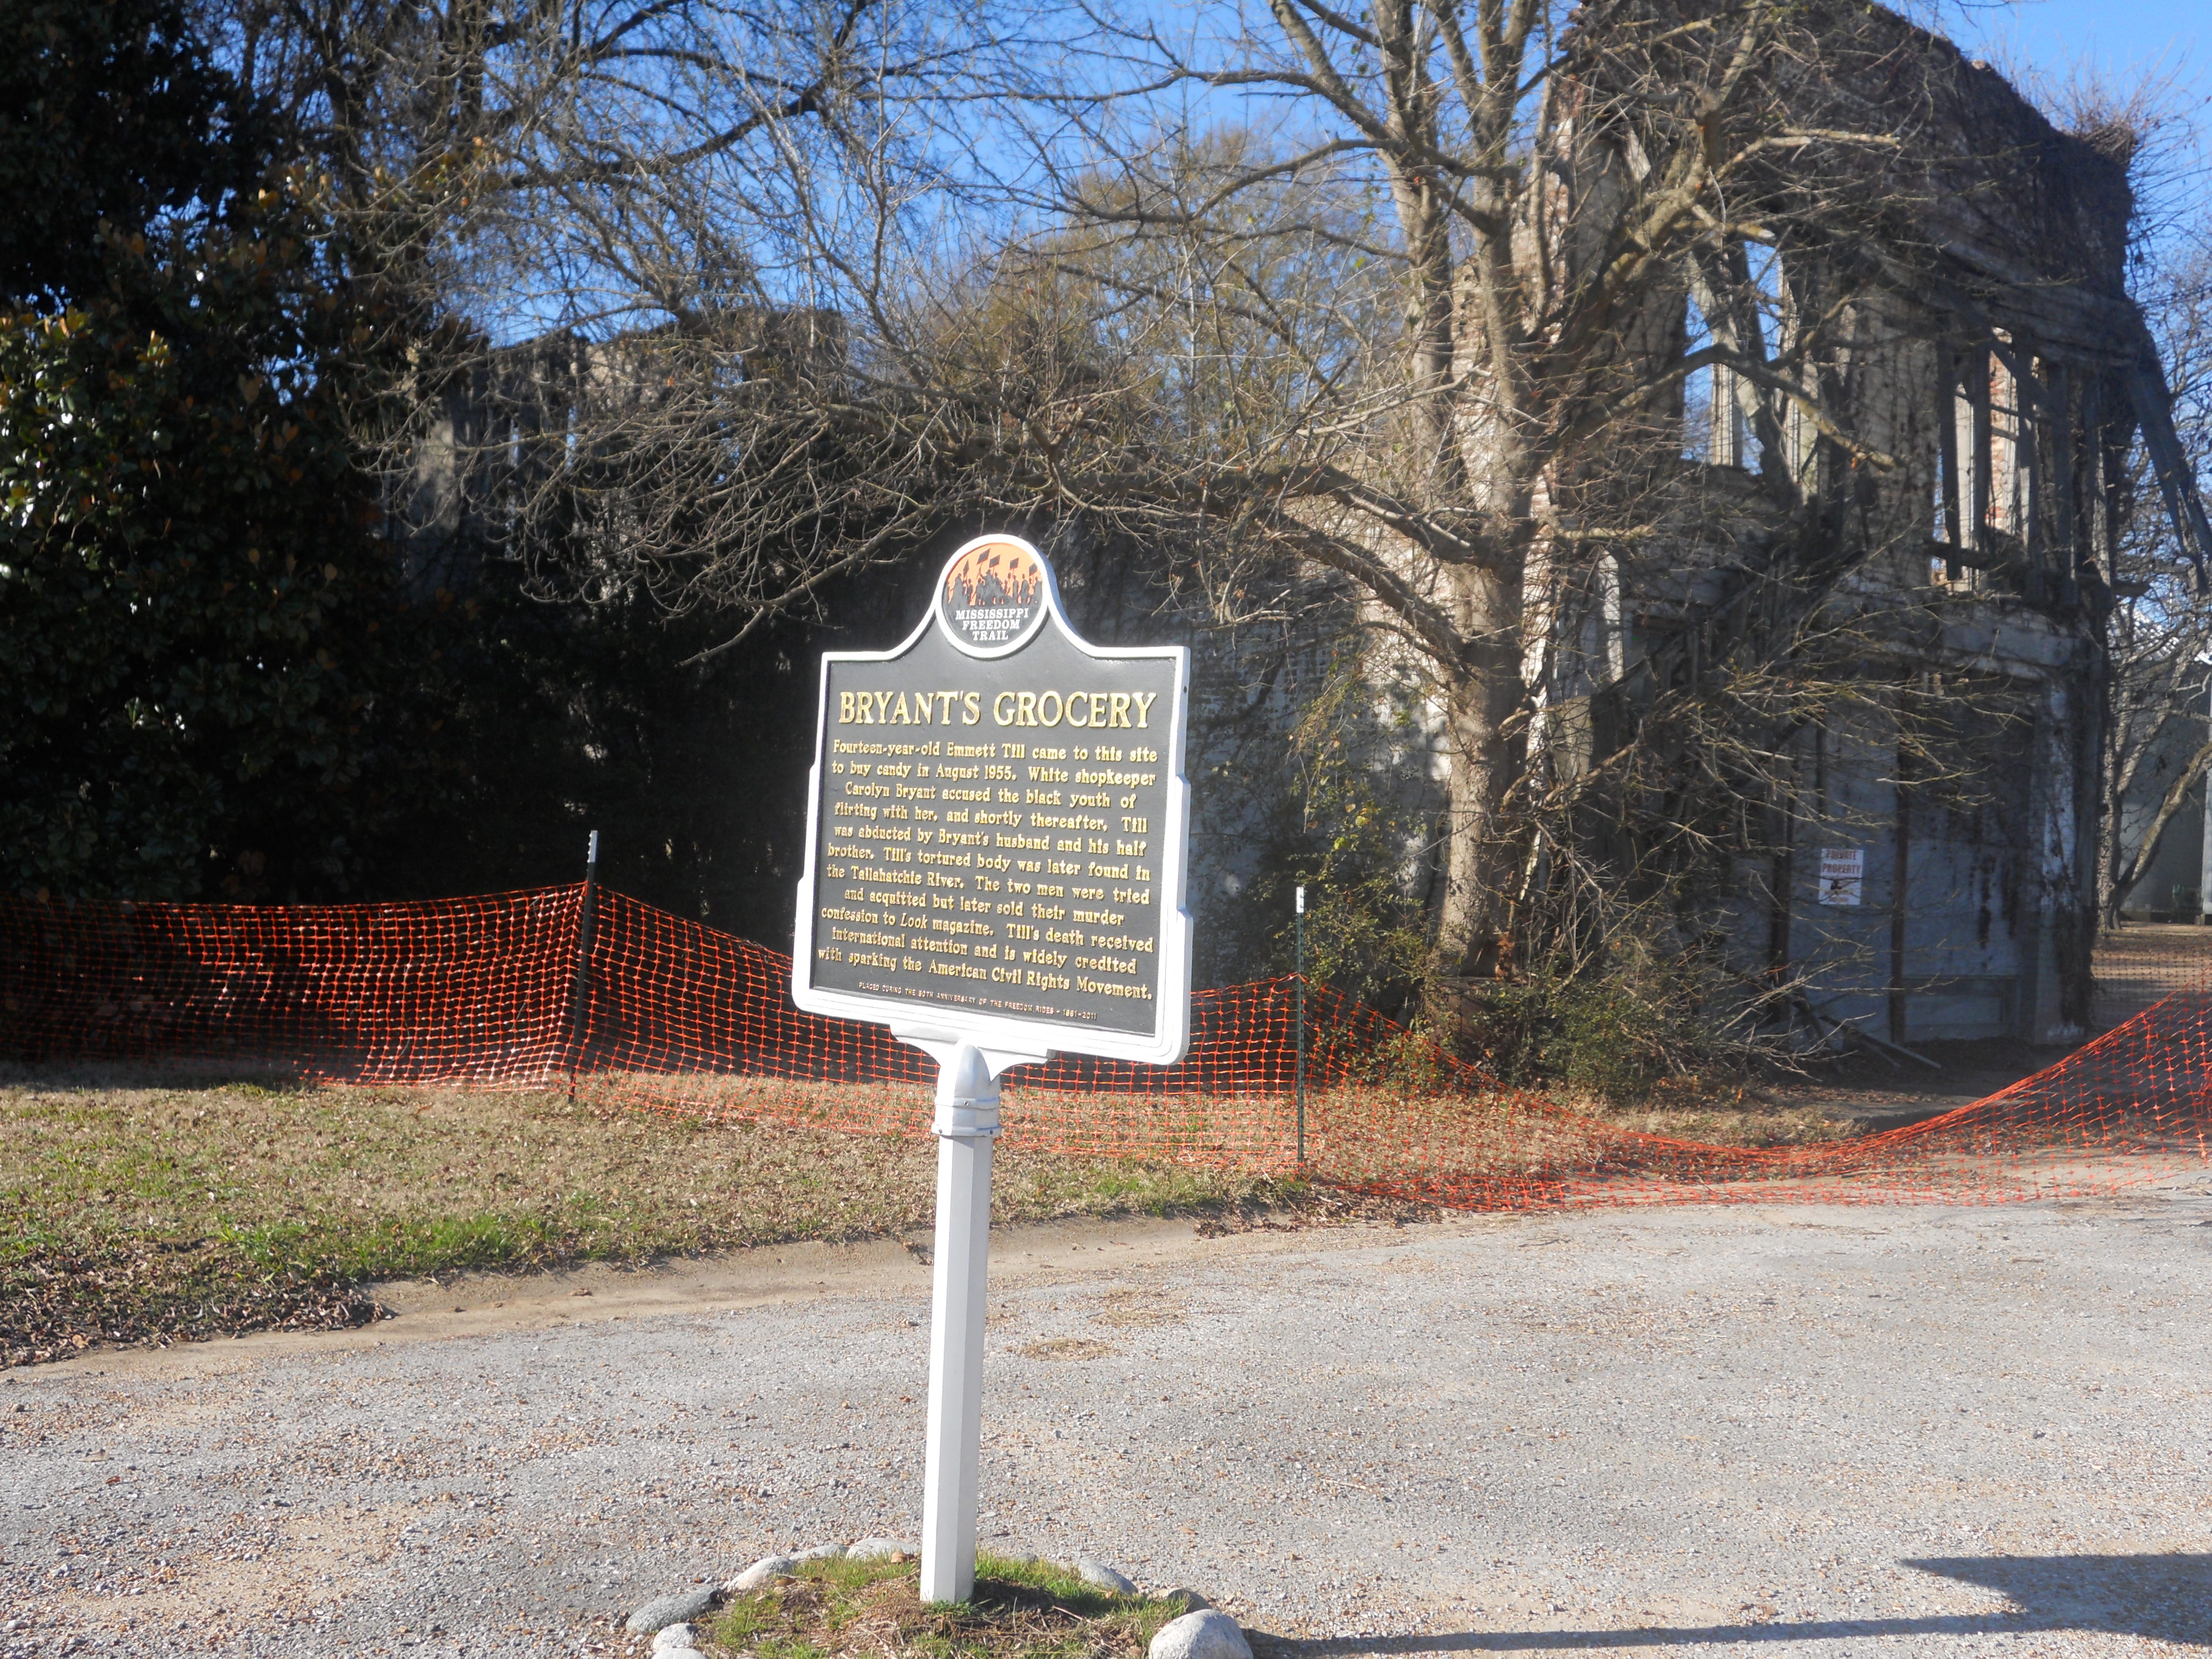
[1917, 857]
[1921, 878]
[1944, 888]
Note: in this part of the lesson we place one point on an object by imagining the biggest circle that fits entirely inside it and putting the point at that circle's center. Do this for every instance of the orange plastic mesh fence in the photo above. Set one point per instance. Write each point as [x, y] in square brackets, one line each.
[674, 1017]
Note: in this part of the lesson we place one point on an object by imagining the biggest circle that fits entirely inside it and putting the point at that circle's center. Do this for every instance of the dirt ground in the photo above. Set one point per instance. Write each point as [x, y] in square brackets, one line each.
[1816, 1429]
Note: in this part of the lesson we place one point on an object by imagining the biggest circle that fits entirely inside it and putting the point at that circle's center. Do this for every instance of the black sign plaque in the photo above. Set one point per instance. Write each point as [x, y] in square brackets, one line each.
[997, 828]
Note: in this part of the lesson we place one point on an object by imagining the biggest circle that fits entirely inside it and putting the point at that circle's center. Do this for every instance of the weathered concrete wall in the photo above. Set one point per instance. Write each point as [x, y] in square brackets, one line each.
[1969, 879]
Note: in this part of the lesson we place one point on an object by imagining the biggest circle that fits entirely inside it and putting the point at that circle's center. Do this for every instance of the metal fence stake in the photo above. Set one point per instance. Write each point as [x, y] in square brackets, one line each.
[580, 991]
[1301, 1073]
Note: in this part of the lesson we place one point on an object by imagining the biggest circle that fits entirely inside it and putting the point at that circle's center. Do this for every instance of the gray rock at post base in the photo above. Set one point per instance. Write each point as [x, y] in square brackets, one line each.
[656, 1616]
[880, 1549]
[678, 1636]
[1100, 1575]
[1206, 1634]
[1187, 1599]
[822, 1552]
[767, 1567]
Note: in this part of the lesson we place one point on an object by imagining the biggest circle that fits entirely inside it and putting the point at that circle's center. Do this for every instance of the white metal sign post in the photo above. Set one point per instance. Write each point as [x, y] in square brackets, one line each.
[996, 839]
[967, 1123]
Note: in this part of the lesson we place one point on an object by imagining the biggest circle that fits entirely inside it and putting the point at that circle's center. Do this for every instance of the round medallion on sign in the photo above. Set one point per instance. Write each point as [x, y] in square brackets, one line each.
[993, 591]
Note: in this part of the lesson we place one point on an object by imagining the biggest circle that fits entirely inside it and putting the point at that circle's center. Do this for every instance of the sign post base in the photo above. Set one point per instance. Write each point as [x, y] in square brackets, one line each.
[967, 1123]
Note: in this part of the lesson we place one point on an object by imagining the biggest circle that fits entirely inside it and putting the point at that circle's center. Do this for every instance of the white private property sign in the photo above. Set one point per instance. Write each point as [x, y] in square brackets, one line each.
[997, 833]
[1843, 876]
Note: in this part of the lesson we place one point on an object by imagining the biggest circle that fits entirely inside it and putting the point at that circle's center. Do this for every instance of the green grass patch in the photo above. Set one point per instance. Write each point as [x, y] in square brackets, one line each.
[1019, 1610]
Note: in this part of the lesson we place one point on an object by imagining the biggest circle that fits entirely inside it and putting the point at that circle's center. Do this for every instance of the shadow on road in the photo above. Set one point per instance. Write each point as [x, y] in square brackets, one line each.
[2168, 1597]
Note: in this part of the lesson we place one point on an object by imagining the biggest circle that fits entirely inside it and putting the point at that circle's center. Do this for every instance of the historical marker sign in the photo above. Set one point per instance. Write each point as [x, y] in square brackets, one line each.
[995, 869]
[997, 830]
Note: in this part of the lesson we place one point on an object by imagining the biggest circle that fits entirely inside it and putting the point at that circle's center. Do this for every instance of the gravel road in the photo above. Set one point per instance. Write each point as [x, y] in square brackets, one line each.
[1804, 1431]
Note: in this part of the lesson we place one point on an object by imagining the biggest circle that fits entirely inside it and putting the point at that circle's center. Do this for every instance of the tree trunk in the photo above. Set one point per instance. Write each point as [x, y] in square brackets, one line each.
[1483, 692]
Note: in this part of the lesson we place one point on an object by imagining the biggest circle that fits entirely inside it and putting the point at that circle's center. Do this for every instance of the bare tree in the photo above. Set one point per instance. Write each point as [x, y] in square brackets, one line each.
[1493, 315]
[2159, 630]
[640, 260]
[2161, 634]
[1431, 333]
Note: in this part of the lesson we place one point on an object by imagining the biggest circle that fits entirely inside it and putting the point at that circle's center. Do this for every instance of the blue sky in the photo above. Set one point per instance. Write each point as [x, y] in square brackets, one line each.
[2121, 36]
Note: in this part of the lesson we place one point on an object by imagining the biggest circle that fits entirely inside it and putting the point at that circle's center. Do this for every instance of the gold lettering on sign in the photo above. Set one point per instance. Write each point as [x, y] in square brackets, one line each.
[1049, 707]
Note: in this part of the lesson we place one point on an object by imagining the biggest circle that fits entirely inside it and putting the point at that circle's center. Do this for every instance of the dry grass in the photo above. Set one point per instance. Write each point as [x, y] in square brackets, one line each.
[164, 1206]
[147, 1207]
[1020, 1610]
